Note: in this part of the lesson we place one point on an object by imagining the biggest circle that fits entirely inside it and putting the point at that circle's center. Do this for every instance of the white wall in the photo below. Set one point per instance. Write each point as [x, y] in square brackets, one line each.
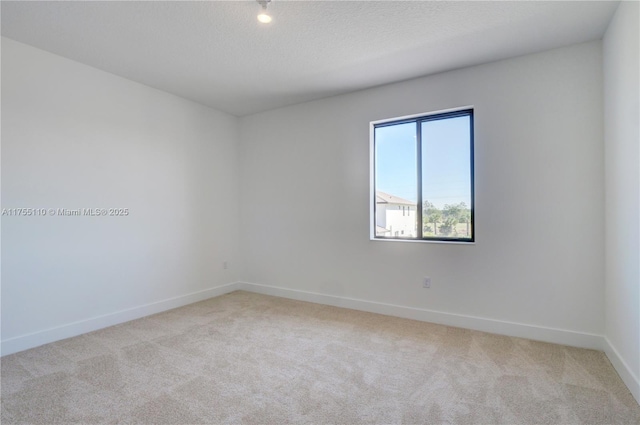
[73, 137]
[622, 149]
[539, 255]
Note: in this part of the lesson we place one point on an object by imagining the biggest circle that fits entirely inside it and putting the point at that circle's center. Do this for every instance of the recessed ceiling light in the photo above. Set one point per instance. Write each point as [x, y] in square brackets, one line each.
[264, 16]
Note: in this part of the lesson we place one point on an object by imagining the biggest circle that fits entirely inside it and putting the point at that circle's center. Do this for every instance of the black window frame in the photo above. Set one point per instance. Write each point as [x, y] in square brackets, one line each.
[418, 120]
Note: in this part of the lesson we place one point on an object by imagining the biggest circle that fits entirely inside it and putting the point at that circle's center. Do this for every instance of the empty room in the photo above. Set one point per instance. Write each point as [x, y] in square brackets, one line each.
[322, 212]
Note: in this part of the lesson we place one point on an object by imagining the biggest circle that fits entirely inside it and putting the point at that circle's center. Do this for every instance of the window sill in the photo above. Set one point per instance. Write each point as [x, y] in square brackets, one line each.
[422, 241]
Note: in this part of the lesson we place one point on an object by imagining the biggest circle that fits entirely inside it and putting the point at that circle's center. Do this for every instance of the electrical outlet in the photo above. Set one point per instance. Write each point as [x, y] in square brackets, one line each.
[225, 265]
[426, 282]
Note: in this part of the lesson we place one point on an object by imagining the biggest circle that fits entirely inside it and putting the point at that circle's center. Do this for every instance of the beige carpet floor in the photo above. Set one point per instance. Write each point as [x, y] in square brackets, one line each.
[255, 359]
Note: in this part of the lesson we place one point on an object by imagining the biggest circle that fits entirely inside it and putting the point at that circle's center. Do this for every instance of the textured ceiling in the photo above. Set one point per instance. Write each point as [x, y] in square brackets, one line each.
[216, 53]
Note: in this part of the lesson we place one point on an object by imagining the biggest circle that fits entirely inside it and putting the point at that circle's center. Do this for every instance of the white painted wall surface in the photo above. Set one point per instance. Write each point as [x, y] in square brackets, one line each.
[622, 206]
[74, 136]
[539, 179]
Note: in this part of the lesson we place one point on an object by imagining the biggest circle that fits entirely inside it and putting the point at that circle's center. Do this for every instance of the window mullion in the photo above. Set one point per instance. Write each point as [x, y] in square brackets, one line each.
[419, 169]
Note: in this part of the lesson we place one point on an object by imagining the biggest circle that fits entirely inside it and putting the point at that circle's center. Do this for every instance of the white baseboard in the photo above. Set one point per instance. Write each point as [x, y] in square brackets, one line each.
[538, 333]
[623, 369]
[35, 339]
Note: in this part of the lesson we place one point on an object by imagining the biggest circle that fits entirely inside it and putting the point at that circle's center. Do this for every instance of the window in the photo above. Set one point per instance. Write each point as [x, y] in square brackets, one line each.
[423, 166]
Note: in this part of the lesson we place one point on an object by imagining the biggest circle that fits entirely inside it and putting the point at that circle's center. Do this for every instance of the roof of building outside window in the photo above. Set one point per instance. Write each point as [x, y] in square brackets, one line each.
[385, 198]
